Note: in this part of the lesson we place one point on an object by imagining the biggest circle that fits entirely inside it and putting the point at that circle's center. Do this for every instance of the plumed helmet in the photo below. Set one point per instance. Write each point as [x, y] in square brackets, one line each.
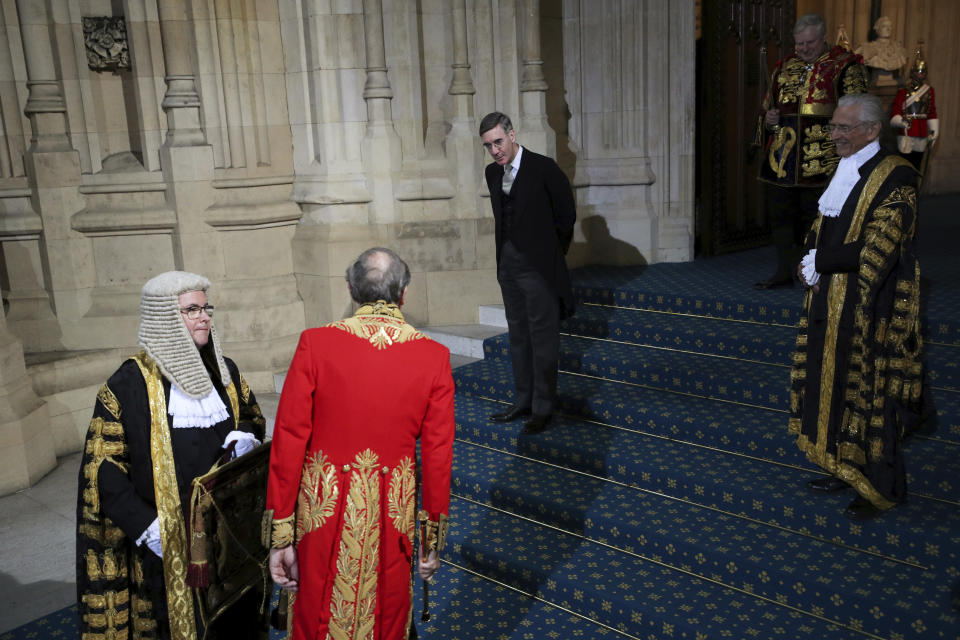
[919, 64]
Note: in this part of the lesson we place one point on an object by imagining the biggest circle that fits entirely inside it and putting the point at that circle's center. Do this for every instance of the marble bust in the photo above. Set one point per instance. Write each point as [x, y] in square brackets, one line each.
[883, 53]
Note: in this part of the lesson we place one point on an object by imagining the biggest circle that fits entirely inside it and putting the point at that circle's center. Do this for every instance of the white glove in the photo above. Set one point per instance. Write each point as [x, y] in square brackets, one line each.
[246, 442]
[808, 264]
[151, 538]
[898, 122]
[933, 128]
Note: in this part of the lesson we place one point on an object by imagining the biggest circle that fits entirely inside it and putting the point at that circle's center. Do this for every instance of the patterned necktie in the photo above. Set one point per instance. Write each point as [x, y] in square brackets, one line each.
[507, 178]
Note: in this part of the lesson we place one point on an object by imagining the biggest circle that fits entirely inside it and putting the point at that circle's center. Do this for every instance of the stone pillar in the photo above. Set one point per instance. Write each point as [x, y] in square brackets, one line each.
[462, 140]
[45, 106]
[382, 154]
[230, 77]
[629, 80]
[534, 129]
[11, 126]
[181, 101]
[186, 158]
[53, 168]
[26, 444]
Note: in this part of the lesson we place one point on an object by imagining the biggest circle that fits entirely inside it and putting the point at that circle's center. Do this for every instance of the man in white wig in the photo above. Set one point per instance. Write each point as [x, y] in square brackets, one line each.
[162, 419]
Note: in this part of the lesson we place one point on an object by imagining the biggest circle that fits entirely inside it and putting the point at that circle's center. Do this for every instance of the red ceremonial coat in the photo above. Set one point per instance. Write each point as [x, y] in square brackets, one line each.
[358, 395]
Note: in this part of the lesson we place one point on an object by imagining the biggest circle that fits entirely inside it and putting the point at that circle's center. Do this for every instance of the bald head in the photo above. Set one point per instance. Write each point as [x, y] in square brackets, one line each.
[378, 274]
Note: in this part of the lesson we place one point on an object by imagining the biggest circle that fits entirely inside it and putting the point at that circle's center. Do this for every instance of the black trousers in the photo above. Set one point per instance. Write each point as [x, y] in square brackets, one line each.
[533, 320]
[792, 211]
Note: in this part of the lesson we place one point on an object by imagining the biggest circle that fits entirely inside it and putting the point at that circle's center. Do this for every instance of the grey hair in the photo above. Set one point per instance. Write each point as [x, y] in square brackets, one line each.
[491, 120]
[870, 108]
[810, 20]
[378, 274]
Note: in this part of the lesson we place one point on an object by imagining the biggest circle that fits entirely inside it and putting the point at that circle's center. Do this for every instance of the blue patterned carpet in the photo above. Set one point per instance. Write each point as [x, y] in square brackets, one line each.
[667, 499]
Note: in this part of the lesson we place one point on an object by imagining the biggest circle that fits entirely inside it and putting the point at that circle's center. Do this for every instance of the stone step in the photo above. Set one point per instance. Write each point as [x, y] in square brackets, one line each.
[493, 315]
[463, 339]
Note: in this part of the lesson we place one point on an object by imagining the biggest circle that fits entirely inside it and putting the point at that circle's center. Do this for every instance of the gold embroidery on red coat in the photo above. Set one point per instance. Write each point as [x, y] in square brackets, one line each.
[355, 585]
[379, 331]
[318, 493]
[402, 497]
[794, 81]
[381, 324]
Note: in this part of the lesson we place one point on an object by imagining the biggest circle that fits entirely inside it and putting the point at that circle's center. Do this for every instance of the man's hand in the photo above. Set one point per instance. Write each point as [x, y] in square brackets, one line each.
[427, 567]
[284, 568]
[772, 118]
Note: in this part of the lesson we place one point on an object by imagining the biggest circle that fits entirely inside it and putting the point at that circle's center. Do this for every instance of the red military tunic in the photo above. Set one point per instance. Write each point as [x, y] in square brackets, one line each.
[922, 108]
[343, 482]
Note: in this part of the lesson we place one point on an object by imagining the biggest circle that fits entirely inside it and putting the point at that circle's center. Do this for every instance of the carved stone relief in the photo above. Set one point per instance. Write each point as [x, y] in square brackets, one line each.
[105, 39]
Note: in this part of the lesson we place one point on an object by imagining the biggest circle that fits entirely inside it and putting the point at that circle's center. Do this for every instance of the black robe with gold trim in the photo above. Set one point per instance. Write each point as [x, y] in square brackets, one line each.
[124, 590]
[857, 374]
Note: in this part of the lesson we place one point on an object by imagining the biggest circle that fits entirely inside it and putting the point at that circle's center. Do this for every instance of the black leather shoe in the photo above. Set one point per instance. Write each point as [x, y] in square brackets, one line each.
[861, 509]
[510, 414]
[774, 283]
[536, 424]
[828, 484]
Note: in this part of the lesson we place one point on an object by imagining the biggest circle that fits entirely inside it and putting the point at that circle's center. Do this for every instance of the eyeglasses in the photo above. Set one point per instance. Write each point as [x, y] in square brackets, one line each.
[497, 144]
[842, 128]
[193, 311]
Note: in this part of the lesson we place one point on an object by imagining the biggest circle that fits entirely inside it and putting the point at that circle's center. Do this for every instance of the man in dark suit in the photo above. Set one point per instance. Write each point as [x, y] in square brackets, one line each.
[534, 212]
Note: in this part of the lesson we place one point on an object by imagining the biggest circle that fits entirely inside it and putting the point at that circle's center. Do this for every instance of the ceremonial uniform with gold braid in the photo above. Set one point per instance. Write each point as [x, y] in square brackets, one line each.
[856, 381]
[800, 152]
[800, 157]
[343, 478]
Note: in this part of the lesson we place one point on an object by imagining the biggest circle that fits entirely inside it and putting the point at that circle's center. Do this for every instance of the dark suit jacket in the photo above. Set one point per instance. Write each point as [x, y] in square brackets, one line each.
[544, 214]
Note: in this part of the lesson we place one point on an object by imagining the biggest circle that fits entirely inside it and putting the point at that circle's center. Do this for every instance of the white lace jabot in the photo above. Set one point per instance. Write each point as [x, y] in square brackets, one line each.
[190, 412]
[845, 179]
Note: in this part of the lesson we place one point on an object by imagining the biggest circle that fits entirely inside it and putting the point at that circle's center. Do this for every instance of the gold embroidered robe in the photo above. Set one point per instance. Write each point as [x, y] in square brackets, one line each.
[856, 381]
[135, 468]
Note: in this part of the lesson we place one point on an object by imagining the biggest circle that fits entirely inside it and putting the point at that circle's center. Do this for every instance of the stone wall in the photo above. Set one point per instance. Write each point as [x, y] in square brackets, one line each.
[265, 143]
